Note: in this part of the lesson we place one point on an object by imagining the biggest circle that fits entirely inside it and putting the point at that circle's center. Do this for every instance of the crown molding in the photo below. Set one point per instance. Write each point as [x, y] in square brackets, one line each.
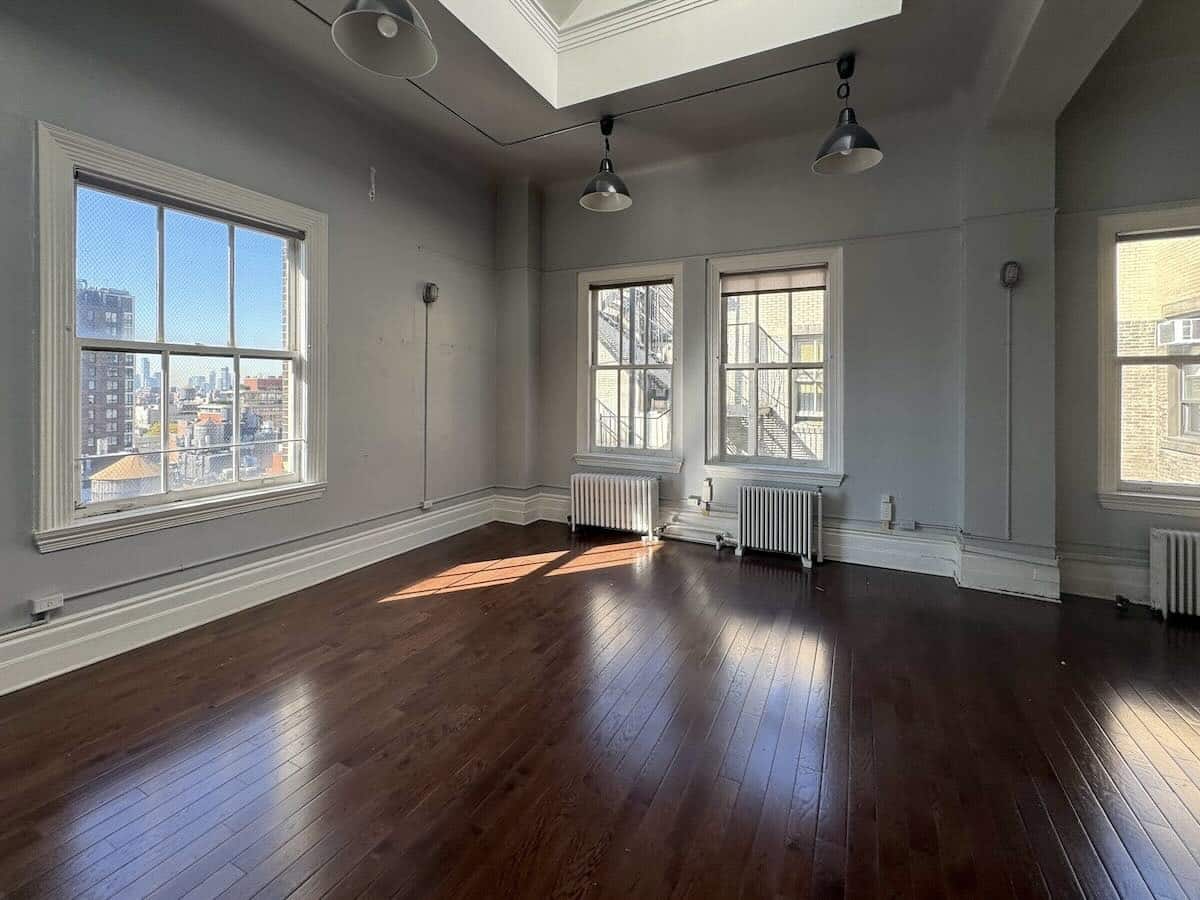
[562, 38]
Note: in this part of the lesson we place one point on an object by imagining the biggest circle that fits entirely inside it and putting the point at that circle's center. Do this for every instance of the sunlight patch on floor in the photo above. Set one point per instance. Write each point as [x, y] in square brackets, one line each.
[468, 576]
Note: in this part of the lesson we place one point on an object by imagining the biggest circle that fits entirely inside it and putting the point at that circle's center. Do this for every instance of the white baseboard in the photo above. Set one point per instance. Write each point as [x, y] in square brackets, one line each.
[78, 640]
[1021, 576]
[1105, 577]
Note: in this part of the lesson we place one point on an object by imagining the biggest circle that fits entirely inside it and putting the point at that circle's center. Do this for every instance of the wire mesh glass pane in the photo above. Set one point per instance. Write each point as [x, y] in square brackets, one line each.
[661, 319]
[808, 410]
[658, 409]
[1157, 443]
[266, 460]
[195, 279]
[637, 338]
[739, 404]
[105, 479]
[739, 329]
[116, 267]
[260, 284]
[265, 399]
[607, 427]
[608, 326]
[1158, 296]
[200, 415]
[632, 404]
[118, 402]
[808, 326]
[773, 328]
[772, 413]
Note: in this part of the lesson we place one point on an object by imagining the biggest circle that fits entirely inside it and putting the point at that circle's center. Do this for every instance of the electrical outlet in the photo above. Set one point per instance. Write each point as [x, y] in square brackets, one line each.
[39, 606]
[426, 504]
[887, 510]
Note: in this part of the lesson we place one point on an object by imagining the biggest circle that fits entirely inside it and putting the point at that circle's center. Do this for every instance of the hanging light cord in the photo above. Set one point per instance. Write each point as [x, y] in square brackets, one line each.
[592, 122]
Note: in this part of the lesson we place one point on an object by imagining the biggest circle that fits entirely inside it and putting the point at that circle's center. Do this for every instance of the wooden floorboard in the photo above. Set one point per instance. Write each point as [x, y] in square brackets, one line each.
[514, 712]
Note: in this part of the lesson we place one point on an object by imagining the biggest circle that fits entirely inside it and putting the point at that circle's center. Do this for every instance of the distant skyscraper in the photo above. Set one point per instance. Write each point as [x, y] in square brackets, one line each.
[106, 378]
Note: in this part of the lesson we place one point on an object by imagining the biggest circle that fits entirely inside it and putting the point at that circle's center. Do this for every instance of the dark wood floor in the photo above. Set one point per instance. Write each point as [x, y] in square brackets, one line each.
[508, 713]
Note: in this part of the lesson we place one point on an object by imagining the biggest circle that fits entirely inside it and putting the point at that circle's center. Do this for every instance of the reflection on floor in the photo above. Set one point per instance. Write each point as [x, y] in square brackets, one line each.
[514, 713]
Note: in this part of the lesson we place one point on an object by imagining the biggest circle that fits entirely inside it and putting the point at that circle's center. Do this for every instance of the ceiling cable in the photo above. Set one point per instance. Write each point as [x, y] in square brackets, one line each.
[590, 122]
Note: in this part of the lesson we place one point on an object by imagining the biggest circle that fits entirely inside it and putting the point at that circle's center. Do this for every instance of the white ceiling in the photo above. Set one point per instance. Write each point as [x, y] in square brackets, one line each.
[915, 60]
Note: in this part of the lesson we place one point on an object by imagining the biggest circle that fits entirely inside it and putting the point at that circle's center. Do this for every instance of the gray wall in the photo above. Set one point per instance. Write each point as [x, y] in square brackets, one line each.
[162, 79]
[1127, 139]
[900, 225]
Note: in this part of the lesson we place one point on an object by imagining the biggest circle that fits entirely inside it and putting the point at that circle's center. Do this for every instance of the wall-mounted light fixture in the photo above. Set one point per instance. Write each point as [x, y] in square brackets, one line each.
[387, 37]
[606, 192]
[850, 148]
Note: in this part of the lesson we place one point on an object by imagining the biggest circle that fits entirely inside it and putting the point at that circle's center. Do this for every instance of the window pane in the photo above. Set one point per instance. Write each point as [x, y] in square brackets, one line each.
[606, 400]
[266, 460]
[195, 279]
[638, 323]
[200, 416]
[808, 326]
[772, 328]
[808, 409]
[110, 478]
[739, 401]
[1155, 444]
[118, 402]
[1158, 296]
[116, 266]
[260, 289]
[662, 323]
[739, 329]
[632, 404]
[658, 409]
[626, 326]
[265, 400]
[772, 413]
[608, 326]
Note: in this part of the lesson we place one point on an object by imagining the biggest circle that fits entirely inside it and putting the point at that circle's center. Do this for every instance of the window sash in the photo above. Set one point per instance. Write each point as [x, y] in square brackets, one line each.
[646, 367]
[166, 349]
[1120, 363]
[806, 283]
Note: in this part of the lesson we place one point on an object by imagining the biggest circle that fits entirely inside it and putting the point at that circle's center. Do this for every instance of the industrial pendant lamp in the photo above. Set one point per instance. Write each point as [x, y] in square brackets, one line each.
[849, 149]
[385, 36]
[606, 192]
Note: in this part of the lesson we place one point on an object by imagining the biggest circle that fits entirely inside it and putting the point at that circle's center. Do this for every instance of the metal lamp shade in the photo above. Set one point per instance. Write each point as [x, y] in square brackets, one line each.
[360, 33]
[606, 192]
[848, 150]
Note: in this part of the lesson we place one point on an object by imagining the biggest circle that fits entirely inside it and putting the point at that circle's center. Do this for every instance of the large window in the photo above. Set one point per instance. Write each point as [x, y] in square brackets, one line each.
[1150, 379]
[190, 367]
[774, 393]
[628, 327]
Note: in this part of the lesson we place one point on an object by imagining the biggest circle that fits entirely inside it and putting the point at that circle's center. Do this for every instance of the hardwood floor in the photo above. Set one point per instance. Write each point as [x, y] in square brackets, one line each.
[512, 714]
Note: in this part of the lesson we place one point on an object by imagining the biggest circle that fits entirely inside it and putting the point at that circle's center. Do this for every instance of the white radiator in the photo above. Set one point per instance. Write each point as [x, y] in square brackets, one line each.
[619, 502]
[780, 520]
[1175, 571]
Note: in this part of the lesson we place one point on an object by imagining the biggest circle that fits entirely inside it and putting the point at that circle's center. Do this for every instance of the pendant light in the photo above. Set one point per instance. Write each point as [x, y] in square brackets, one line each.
[849, 149]
[606, 192]
[388, 37]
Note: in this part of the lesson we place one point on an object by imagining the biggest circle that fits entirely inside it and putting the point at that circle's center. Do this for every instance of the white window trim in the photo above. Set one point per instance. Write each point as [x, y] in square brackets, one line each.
[1112, 492]
[659, 462]
[831, 472]
[59, 525]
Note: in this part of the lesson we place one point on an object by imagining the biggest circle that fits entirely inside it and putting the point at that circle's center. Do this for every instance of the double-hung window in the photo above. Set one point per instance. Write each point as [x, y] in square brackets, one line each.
[1150, 361]
[199, 305]
[629, 354]
[775, 385]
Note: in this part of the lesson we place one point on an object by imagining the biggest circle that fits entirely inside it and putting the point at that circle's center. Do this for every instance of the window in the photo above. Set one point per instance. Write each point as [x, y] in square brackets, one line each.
[195, 299]
[1150, 361]
[774, 388]
[628, 362]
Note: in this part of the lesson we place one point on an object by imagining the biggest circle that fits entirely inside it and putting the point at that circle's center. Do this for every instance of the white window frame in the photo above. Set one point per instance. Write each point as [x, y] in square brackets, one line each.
[625, 458]
[60, 524]
[1112, 492]
[830, 472]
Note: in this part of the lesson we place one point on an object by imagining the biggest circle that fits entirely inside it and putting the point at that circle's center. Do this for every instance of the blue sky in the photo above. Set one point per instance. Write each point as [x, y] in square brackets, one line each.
[117, 247]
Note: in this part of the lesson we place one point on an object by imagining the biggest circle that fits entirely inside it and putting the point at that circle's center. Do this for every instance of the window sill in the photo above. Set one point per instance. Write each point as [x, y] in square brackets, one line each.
[185, 512]
[1162, 504]
[656, 465]
[782, 474]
